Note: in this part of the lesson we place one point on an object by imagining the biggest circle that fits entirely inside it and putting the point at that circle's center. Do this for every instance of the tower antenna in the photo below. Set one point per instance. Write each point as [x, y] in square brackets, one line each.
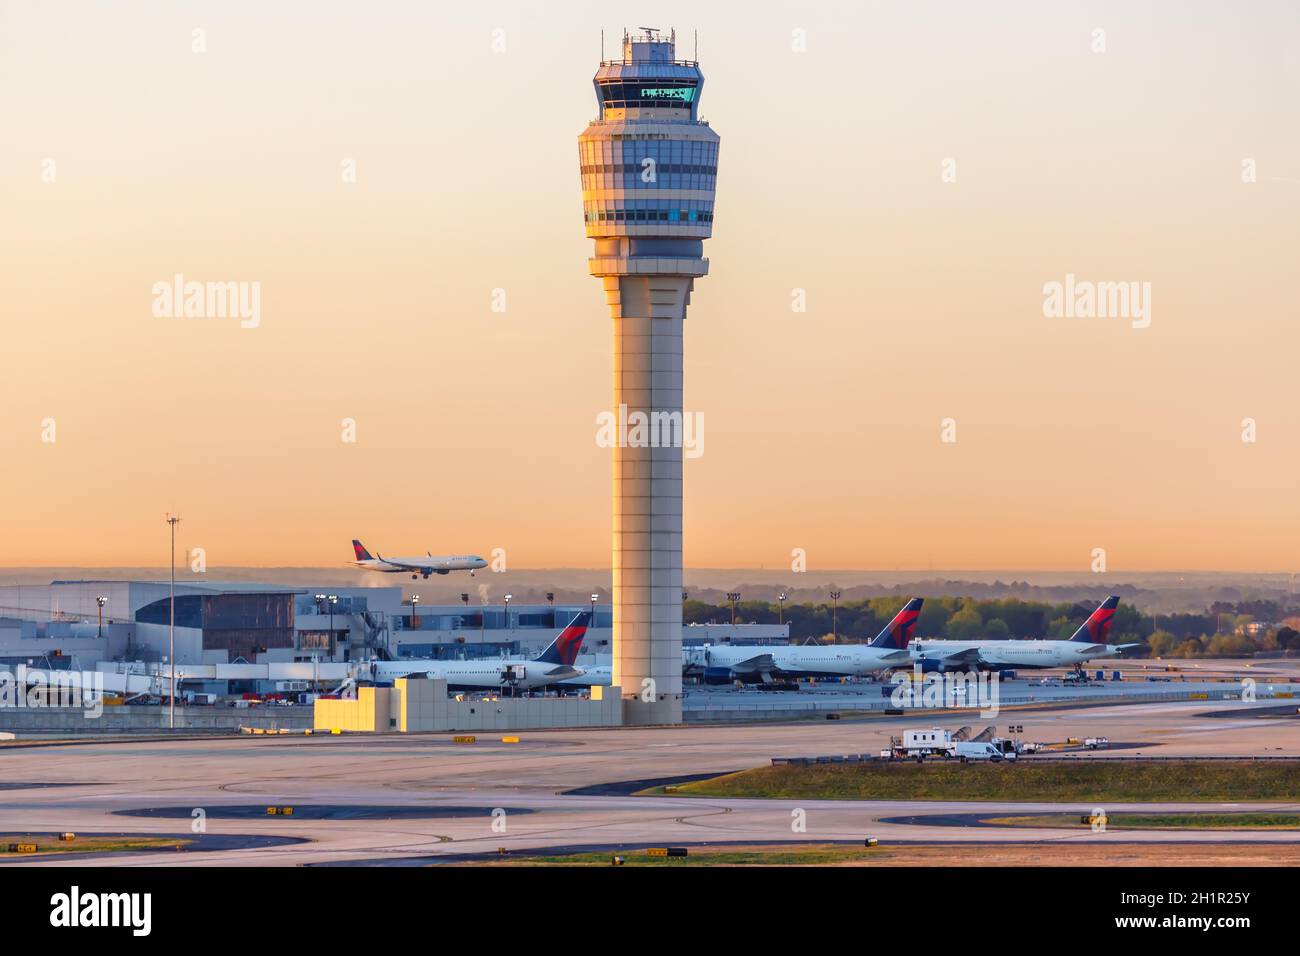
[602, 46]
[696, 55]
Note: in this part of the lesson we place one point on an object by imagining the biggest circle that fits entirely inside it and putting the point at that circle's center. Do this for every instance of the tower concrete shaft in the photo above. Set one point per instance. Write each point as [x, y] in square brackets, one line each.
[649, 167]
[648, 313]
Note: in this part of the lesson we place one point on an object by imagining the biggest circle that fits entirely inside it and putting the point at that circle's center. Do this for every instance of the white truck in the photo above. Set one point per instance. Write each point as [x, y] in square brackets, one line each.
[920, 744]
[981, 750]
[937, 742]
[1008, 747]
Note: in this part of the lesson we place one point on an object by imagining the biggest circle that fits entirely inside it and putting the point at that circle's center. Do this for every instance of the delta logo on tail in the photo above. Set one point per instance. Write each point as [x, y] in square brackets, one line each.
[1096, 630]
[360, 551]
[898, 632]
[564, 649]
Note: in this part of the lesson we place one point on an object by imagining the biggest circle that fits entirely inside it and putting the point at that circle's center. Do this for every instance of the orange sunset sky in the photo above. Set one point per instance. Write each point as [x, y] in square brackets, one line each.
[476, 429]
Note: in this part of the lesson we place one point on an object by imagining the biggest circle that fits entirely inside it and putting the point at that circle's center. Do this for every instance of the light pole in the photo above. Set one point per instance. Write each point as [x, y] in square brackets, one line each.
[594, 596]
[332, 599]
[101, 601]
[508, 597]
[320, 609]
[835, 607]
[172, 520]
[780, 608]
[733, 597]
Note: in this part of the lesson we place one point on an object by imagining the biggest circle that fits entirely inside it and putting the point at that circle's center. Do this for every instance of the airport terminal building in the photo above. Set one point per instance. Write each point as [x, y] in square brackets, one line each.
[81, 623]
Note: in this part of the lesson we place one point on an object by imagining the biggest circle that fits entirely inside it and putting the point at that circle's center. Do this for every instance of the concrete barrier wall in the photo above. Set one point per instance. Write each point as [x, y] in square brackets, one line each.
[73, 721]
[416, 704]
[429, 708]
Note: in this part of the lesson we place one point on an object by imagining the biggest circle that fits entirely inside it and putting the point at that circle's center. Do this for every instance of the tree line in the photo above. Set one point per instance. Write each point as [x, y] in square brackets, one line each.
[1223, 630]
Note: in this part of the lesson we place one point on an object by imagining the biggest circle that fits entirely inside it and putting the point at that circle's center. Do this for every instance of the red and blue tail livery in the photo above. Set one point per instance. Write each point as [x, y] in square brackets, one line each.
[898, 632]
[360, 551]
[1096, 630]
[564, 649]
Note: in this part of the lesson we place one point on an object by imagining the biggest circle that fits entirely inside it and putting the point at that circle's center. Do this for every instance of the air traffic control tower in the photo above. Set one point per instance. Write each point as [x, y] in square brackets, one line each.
[649, 168]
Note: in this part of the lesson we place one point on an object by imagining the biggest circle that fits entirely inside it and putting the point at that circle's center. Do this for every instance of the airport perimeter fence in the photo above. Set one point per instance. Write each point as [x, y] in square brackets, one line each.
[779, 709]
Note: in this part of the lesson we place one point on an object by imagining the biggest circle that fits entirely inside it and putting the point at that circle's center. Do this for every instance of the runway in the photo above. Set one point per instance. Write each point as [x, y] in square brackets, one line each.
[462, 784]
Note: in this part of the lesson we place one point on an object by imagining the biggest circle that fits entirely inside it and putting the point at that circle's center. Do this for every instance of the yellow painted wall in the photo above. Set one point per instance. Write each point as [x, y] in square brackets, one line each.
[369, 712]
[414, 705]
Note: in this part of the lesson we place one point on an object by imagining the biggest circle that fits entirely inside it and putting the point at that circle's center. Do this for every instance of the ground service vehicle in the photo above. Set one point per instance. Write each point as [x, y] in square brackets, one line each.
[980, 750]
[937, 742]
[925, 743]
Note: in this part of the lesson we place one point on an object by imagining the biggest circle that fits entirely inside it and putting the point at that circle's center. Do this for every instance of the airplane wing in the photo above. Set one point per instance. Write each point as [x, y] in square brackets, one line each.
[762, 665]
[1095, 651]
[564, 672]
[968, 655]
[404, 565]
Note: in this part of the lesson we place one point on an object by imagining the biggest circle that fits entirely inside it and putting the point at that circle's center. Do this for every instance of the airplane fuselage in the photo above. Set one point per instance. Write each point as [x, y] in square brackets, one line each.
[486, 674]
[857, 660]
[424, 567]
[1007, 655]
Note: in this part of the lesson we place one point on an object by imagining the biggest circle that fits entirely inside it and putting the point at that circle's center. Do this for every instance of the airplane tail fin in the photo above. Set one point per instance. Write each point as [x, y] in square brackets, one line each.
[899, 631]
[360, 551]
[1096, 630]
[564, 649]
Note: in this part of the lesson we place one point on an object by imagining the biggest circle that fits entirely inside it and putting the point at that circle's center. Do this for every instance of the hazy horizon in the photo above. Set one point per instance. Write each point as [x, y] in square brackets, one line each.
[990, 573]
[1157, 592]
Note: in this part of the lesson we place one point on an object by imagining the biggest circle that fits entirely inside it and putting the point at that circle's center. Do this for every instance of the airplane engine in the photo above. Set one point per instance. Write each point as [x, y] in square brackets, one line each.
[718, 675]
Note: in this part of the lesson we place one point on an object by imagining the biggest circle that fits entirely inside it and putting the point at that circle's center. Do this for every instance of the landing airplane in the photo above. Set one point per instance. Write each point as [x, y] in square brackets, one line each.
[1088, 643]
[417, 567]
[553, 665]
[727, 663]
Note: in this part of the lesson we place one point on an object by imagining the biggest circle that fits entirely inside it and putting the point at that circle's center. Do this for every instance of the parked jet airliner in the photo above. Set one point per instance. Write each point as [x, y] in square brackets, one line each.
[416, 567]
[725, 663]
[1088, 643]
[553, 665]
